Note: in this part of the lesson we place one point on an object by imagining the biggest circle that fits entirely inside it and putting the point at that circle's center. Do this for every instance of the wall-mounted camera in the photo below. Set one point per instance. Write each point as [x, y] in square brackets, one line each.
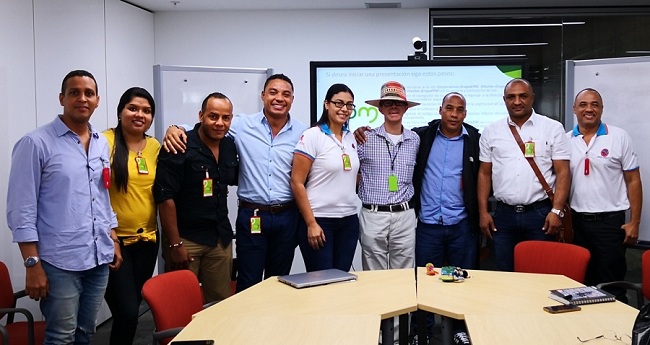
[420, 49]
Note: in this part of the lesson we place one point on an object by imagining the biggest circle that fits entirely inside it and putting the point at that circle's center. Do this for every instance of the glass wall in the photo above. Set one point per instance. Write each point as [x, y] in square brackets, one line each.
[546, 37]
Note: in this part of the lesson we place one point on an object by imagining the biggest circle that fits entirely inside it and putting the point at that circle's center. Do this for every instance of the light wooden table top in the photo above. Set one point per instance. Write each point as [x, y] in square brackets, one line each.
[324, 329]
[386, 293]
[507, 308]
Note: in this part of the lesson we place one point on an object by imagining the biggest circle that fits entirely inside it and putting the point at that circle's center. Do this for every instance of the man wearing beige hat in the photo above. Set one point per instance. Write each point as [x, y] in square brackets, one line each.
[387, 157]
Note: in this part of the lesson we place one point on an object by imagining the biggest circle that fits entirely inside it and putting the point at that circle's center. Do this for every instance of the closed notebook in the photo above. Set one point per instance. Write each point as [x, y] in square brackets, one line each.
[581, 295]
[315, 278]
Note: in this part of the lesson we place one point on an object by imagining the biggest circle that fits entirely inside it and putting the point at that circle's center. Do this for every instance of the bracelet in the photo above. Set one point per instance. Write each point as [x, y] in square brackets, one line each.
[177, 127]
[116, 240]
[176, 244]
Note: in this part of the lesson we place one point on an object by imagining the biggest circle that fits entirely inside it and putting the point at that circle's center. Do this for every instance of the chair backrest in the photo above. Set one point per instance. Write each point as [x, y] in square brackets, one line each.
[552, 258]
[173, 298]
[6, 289]
[645, 274]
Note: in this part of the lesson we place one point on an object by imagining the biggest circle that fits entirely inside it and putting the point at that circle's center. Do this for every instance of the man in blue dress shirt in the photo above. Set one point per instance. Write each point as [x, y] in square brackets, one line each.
[59, 212]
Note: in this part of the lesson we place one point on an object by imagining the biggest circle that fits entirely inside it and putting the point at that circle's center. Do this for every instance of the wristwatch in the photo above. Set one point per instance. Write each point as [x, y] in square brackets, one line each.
[31, 261]
[559, 213]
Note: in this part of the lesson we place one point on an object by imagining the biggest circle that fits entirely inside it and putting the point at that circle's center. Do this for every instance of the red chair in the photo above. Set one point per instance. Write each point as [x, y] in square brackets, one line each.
[552, 258]
[17, 332]
[642, 289]
[173, 298]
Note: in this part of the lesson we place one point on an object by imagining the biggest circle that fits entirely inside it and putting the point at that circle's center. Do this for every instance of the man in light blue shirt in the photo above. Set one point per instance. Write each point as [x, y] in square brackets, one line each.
[60, 215]
[267, 219]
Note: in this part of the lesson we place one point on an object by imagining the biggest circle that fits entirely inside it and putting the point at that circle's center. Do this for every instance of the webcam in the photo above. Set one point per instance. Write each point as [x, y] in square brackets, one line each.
[418, 43]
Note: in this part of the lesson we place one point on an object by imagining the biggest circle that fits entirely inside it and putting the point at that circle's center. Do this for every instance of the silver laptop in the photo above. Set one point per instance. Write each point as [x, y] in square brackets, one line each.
[303, 280]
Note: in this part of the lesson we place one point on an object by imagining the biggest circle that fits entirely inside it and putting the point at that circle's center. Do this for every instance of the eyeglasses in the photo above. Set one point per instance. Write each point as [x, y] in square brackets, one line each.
[340, 104]
[610, 335]
[392, 103]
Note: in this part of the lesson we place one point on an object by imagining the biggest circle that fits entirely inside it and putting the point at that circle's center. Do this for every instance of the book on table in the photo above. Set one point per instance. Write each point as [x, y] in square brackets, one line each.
[581, 295]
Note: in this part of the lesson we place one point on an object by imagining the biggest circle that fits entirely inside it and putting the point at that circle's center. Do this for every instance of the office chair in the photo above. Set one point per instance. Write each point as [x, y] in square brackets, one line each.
[173, 298]
[642, 289]
[18, 332]
[552, 258]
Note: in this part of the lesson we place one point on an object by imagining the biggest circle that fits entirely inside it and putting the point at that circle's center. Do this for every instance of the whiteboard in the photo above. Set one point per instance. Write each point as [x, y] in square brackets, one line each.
[625, 88]
[180, 90]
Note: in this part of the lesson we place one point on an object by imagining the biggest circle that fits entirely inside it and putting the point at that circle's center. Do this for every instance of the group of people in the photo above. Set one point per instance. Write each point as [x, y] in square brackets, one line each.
[82, 205]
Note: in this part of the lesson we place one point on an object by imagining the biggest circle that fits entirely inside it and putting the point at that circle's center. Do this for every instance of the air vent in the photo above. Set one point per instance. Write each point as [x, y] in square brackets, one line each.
[383, 5]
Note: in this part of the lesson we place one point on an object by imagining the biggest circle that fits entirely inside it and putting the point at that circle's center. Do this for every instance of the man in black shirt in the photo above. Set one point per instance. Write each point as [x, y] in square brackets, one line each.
[191, 191]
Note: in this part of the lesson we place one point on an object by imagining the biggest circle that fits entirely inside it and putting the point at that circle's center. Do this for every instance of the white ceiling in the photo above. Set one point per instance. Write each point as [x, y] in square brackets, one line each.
[215, 5]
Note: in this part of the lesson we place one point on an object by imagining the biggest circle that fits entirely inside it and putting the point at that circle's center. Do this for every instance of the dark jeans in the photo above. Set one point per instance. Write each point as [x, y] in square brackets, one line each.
[604, 239]
[341, 236]
[123, 293]
[514, 227]
[269, 253]
[448, 245]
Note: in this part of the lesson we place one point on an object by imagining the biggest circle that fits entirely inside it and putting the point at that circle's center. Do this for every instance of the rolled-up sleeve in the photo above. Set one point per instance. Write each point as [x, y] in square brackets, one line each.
[169, 176]
[22, 196]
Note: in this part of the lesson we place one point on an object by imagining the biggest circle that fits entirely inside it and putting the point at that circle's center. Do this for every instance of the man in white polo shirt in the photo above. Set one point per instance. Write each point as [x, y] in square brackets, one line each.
[606, 183]
[523, 211]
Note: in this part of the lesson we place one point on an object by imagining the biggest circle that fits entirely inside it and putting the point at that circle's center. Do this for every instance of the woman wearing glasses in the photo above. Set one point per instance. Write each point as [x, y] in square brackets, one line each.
[133, 169]
[323, 180]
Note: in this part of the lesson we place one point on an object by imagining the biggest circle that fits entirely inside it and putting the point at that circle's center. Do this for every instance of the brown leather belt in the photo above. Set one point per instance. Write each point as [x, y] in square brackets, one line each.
[277, 208]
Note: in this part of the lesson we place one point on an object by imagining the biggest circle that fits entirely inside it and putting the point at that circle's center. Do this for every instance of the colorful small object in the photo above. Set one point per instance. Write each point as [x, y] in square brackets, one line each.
[430, 270]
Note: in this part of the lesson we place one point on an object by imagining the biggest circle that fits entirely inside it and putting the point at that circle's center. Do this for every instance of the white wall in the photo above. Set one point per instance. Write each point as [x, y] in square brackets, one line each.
[41, 41]
[287, 41]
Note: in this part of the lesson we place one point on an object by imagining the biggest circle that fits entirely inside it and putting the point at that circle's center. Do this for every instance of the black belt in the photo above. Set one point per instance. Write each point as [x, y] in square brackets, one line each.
[389, 208]
[597, 216]
[526, 208]
[277, 208]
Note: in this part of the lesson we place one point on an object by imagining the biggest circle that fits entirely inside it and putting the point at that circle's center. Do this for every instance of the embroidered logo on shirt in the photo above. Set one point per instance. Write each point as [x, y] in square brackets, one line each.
[604, 152]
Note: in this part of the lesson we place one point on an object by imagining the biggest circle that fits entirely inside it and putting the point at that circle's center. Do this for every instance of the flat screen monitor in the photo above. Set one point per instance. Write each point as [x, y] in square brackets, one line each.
[426, 82]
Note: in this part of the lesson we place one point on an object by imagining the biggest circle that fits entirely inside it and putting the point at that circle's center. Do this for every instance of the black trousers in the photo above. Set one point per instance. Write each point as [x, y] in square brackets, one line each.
[124, 290]
[603, 236]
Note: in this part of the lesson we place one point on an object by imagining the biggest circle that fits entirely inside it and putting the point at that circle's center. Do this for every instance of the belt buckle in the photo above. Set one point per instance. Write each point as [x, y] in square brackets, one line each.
[520, 208]
[390, 207]
[276, 208]
[590, 216]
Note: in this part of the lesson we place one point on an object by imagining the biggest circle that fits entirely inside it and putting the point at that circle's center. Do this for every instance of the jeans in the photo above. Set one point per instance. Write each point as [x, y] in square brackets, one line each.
[123, 293]
[269, 253]
[446, 245]
[514, 227]
[72, 303]
[341, 236]
[604, 239]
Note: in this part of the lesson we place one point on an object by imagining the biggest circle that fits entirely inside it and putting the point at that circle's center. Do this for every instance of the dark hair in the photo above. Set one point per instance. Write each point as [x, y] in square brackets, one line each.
[585, 90]
[518, 80]
[333, 90]
[120, 164]
[218, 95]
[77, 73]
[279, 76]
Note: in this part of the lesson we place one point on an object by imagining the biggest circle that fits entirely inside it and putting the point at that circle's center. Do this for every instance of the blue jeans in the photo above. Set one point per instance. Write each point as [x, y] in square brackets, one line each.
[269, 253]
[446, 245]
[341, 236]
[514, 227]
[71, 306]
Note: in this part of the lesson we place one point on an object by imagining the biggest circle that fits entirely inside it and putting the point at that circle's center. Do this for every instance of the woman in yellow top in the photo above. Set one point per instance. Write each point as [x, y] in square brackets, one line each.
[133, 169]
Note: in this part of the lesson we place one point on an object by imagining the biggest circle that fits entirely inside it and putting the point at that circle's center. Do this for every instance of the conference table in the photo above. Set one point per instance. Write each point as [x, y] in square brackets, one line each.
[506, 308]
[276, 312]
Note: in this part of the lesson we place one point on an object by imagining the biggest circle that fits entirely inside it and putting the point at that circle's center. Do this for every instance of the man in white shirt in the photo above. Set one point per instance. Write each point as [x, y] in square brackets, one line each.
[523, 210]
[606, 183]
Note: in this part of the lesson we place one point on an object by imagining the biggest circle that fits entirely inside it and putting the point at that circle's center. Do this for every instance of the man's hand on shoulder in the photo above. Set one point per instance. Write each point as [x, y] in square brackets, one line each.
[360, 134]
[175, 139]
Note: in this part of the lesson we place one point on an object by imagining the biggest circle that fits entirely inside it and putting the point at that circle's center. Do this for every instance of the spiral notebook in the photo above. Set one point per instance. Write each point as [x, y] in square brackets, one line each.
[315, 278]
[581, 295]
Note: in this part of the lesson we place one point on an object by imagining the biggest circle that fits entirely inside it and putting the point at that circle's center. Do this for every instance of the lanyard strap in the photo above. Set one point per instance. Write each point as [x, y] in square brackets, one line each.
[391, 157]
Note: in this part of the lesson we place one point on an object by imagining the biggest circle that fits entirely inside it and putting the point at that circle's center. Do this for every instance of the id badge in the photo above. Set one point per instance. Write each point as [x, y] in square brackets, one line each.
[529, 149]
[256, 223]
[392, 183]
[347, 165]
[142, 165]
[207, 187]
